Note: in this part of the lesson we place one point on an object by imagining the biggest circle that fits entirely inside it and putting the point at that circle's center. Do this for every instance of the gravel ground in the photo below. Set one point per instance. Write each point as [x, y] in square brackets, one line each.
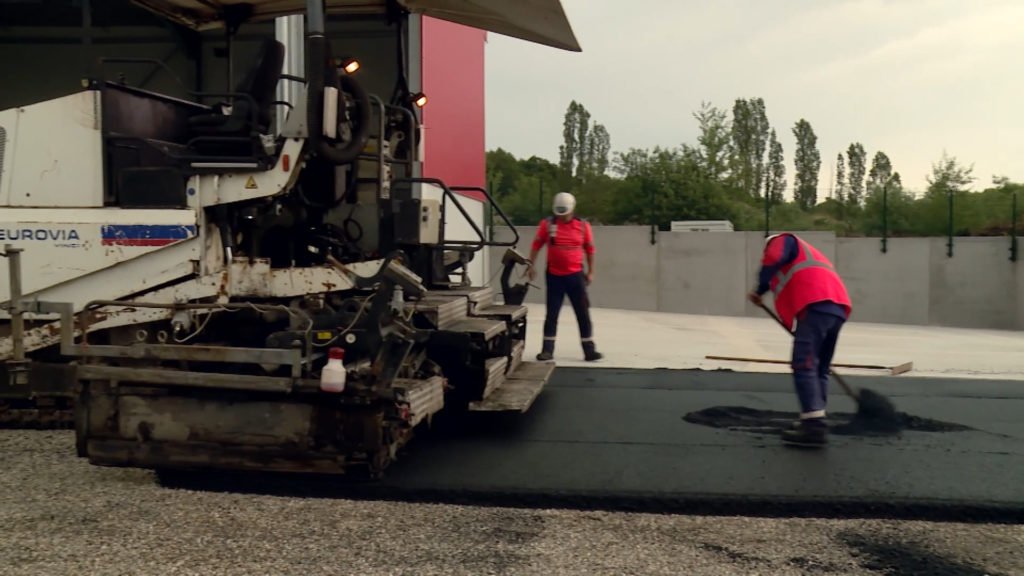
[59, 515]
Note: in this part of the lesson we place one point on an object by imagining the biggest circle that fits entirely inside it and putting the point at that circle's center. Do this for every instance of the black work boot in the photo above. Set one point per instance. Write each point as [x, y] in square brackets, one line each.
[590, 353]
[548, 352]
[807, 432]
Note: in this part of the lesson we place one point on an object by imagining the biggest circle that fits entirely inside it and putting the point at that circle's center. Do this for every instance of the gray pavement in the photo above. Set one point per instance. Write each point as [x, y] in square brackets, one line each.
[61, 516]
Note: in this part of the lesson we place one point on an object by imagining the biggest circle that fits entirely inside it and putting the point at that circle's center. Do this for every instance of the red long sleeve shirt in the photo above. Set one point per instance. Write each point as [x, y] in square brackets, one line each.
[565, 252]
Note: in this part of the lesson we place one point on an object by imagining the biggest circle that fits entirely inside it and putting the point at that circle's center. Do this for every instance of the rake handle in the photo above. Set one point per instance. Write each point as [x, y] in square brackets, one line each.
[838, 378]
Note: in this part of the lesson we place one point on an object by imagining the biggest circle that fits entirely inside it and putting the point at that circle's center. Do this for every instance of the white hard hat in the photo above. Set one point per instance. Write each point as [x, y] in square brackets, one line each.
[564, 204]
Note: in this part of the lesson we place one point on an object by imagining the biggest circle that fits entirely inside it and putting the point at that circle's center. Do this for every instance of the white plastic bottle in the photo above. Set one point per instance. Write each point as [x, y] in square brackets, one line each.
[332, 377]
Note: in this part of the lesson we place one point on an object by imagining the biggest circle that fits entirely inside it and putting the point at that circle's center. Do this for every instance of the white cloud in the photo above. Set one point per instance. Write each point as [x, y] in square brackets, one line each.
[908, 77]
[957, 45]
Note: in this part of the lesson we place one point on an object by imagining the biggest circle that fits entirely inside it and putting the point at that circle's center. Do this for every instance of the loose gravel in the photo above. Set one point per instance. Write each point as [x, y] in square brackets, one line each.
[60, 515]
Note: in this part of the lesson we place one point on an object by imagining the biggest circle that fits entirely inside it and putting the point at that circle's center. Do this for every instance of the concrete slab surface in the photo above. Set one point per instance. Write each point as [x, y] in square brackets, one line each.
[631, 339]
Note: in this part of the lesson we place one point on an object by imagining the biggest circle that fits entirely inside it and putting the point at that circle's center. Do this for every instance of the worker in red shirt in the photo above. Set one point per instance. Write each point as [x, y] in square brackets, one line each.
[568, 238]
[807, 290]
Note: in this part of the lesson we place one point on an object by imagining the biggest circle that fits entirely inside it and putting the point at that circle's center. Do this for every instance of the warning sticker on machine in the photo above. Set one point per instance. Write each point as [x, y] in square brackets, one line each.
[250, 184]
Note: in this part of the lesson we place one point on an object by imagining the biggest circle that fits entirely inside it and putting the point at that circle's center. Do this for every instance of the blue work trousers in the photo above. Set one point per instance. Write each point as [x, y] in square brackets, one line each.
[814, 344]
[575, 287]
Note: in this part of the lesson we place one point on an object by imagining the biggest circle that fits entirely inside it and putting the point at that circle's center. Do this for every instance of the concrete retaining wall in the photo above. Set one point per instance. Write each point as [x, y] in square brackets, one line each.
[914, 282]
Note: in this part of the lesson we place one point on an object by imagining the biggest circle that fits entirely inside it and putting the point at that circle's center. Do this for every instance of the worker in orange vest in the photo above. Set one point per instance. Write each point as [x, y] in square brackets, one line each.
[807, 291]
[568, 238]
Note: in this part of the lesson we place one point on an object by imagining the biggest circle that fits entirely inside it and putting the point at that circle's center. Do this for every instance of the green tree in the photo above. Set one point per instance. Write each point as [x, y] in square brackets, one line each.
[880, 174]
[503, 172]
[761, 132]
[840, 178]
[947, 182]
[775, 183]
[669, 184]
[807, 164]
[749, 133]
[585, 147]
[598, 147]
[901, 212]
[896, 180]
[857, 162]
[714, 140]
[568, 153]
[522, 187]
[712, 179]
[949, 176]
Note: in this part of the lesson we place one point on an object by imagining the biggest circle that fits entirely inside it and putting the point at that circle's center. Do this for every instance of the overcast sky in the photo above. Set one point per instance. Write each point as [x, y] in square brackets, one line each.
[909, 77]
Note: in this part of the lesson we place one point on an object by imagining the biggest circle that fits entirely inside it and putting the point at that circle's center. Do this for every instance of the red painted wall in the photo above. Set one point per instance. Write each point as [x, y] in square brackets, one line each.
[453, 119]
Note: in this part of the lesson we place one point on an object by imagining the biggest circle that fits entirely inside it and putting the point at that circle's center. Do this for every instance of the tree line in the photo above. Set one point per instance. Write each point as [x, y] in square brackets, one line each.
[737, 171]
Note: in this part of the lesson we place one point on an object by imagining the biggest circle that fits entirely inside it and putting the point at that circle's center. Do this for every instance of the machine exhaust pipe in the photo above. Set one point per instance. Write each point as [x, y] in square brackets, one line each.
[317, 67]
[316, 59]
[290, 31]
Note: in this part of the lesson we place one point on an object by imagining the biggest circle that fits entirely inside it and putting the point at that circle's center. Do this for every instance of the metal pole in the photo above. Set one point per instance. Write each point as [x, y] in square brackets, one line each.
[196, 49]
[316, 17]
[17, 320]
[1013, 231]
[767, 214]
[540, 198]
[228, 45]
[490, 214]
[87, 22]
[290, 30]
[885, 217]
[654, 223]
[949, 242]
[281, 34]
[87, 54]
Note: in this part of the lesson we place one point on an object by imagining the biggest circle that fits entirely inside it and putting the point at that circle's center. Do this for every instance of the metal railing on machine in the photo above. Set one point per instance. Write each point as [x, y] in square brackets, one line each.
[449, 193]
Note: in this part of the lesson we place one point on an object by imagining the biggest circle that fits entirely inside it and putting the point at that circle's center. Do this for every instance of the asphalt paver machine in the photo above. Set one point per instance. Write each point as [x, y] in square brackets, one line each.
[179, 273]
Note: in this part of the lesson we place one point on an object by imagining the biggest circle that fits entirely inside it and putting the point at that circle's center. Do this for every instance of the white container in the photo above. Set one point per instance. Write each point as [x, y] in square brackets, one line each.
[332, 377]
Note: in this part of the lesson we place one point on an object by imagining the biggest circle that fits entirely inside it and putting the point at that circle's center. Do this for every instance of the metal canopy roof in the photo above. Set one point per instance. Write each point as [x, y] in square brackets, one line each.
[540, 21]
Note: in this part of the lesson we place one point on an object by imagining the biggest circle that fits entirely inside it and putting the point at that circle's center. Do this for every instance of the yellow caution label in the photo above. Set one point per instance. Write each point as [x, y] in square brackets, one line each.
[323, 335]
[250, 184]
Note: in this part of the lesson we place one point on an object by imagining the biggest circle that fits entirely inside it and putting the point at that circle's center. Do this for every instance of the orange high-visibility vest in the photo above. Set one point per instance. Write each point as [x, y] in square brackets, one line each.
[809, 278]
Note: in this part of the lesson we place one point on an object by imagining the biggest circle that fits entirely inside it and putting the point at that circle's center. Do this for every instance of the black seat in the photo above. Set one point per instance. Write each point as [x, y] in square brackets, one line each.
[261, 84]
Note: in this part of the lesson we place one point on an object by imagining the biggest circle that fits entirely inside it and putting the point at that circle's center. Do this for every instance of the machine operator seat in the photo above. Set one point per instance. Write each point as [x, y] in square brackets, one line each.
[261, 84]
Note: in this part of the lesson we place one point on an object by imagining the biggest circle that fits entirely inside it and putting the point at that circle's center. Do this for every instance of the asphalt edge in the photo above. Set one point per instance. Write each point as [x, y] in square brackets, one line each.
[656, 503]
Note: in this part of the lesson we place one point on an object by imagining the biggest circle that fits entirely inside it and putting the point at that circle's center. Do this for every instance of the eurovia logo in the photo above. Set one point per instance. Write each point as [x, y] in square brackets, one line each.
[40, 234]
[60, 237]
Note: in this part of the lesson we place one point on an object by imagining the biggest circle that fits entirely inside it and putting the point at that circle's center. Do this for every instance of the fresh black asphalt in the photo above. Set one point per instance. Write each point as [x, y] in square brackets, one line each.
[617, 438]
